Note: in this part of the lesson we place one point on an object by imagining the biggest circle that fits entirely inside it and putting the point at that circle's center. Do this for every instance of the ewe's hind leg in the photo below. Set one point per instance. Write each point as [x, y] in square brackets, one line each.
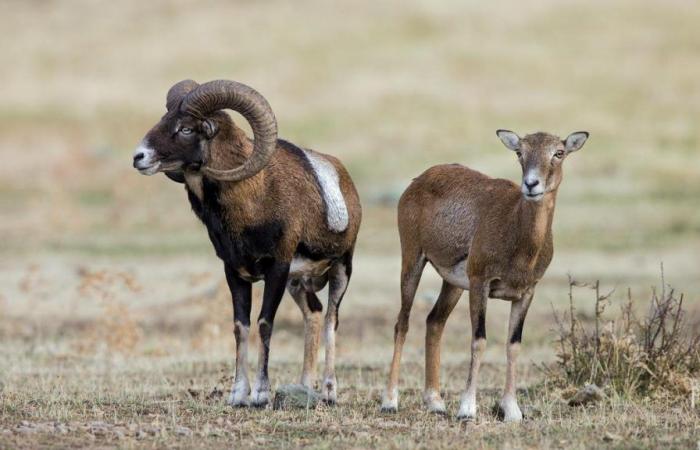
[449, 296]
[478, 295]
[338, 279]
[412, 263]
[311, 309]
[509, 404]
[241, 297]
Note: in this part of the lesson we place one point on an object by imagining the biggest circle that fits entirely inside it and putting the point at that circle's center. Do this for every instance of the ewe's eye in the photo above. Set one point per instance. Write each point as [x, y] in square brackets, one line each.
[559, 154]
[185, 130]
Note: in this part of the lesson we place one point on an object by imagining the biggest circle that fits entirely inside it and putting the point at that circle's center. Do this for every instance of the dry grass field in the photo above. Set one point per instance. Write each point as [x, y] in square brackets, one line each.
[115, 323]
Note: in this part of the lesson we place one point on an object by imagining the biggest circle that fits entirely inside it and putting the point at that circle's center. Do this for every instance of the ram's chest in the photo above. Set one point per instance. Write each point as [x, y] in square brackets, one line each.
[249, 249]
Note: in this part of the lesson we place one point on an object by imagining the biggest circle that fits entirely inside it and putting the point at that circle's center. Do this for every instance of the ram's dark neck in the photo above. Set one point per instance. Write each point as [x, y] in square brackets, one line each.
[230, 147]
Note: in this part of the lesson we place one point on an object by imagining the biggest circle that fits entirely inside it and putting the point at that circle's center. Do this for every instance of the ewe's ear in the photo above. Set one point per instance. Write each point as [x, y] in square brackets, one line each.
[210, 128]
[509, 139]
[575, 141]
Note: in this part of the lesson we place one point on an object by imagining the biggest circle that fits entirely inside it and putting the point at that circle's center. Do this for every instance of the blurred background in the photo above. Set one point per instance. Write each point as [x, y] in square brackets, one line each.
[98, 262]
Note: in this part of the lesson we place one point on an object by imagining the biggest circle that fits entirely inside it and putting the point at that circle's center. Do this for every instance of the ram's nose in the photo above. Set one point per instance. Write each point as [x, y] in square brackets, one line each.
[138, 156]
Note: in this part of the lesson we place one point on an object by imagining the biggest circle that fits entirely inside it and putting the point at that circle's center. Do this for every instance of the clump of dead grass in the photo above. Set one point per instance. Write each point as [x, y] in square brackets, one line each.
[655, 354]
[117, 328]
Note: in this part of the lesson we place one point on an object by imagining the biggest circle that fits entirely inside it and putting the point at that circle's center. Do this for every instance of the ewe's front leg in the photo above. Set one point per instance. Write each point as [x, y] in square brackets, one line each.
[241, 297]
[435, 324]
[509, 403]
[275, 283]
[478, 296]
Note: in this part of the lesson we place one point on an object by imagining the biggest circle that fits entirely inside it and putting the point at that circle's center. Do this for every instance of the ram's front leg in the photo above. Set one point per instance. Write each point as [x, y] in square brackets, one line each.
[275, 283]
[241, 297]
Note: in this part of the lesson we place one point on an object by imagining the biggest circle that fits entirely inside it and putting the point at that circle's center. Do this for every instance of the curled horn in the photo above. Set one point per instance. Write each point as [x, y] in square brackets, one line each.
[178, 92]
[223, 94]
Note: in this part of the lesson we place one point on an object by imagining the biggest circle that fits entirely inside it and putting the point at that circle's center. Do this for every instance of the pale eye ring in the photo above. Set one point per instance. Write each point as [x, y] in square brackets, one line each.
[186, 130]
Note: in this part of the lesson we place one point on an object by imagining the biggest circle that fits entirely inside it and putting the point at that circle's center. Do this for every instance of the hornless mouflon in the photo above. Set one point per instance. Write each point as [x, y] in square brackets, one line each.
[274, 212]
[487, 235]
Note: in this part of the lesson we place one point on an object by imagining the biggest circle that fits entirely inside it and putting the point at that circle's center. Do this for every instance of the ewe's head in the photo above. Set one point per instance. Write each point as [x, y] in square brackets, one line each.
[541, 156]
[180, 141]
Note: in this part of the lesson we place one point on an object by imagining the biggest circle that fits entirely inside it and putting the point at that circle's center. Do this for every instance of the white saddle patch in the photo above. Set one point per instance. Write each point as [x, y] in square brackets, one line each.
[329, 182]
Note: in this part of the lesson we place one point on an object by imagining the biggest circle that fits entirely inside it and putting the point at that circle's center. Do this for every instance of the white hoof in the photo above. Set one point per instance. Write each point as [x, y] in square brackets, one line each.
[239, 395]
[328, 391]
[510, 410]
[467, 408]
[434, 402]
[260, 396]
[390, 401]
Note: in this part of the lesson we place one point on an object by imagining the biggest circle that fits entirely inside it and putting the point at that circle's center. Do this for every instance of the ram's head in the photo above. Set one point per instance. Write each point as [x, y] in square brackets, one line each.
[180, 141]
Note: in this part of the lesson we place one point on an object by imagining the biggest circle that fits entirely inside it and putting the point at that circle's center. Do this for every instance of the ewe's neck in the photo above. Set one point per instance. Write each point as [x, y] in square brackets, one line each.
[536, 221]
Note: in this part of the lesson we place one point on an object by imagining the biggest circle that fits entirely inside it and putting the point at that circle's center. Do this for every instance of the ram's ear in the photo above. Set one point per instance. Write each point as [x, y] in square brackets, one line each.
[509, 139]
[575, 141]
[210, 128]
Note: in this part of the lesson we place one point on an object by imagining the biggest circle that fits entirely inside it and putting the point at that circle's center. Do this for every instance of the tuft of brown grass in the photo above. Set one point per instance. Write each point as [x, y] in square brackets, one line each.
[655, 354]
[117, 328]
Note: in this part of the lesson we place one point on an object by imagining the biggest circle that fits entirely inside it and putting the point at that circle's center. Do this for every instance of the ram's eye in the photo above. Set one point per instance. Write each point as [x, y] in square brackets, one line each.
[559, 154]
[185, 130]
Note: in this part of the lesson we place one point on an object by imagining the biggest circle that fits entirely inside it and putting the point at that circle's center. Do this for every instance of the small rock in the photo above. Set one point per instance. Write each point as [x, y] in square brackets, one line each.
[590, 393]
[183, 431]
[609, 437]
[295, 396]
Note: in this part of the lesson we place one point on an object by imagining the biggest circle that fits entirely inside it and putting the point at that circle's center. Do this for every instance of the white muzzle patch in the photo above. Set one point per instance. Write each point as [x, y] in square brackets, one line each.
[329, 182]
[532, 187]
[144, 160]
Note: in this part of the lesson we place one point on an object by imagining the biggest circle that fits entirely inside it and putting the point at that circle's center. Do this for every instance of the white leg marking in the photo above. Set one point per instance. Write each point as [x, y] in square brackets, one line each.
[433, 401]
[327, 176]
[328, 389]
[390, 401]
[510, 409]
[467, 406]
[241, 386]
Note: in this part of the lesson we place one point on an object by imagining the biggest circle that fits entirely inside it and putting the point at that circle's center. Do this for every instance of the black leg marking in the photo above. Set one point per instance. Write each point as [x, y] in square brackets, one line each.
[480, 332]
[275, 284]
[517, 336]
[240, 295]
[313, 302]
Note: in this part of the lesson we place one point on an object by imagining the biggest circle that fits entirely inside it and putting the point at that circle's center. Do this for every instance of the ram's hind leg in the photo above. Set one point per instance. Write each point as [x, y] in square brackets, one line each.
[446, 302]
[338, 279]
[311, 308]
[412, 265]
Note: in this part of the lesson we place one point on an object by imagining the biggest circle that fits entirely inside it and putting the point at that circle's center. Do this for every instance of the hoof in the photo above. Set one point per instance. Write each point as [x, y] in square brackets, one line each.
[467, 409]
[434, 403]
[238, 400]
[466, 418]
[329, 395]
[390, 403]
[509, 411]
[260, 399]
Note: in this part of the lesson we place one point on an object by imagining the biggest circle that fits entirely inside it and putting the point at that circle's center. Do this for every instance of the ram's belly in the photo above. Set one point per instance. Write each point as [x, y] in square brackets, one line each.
[307, 268]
